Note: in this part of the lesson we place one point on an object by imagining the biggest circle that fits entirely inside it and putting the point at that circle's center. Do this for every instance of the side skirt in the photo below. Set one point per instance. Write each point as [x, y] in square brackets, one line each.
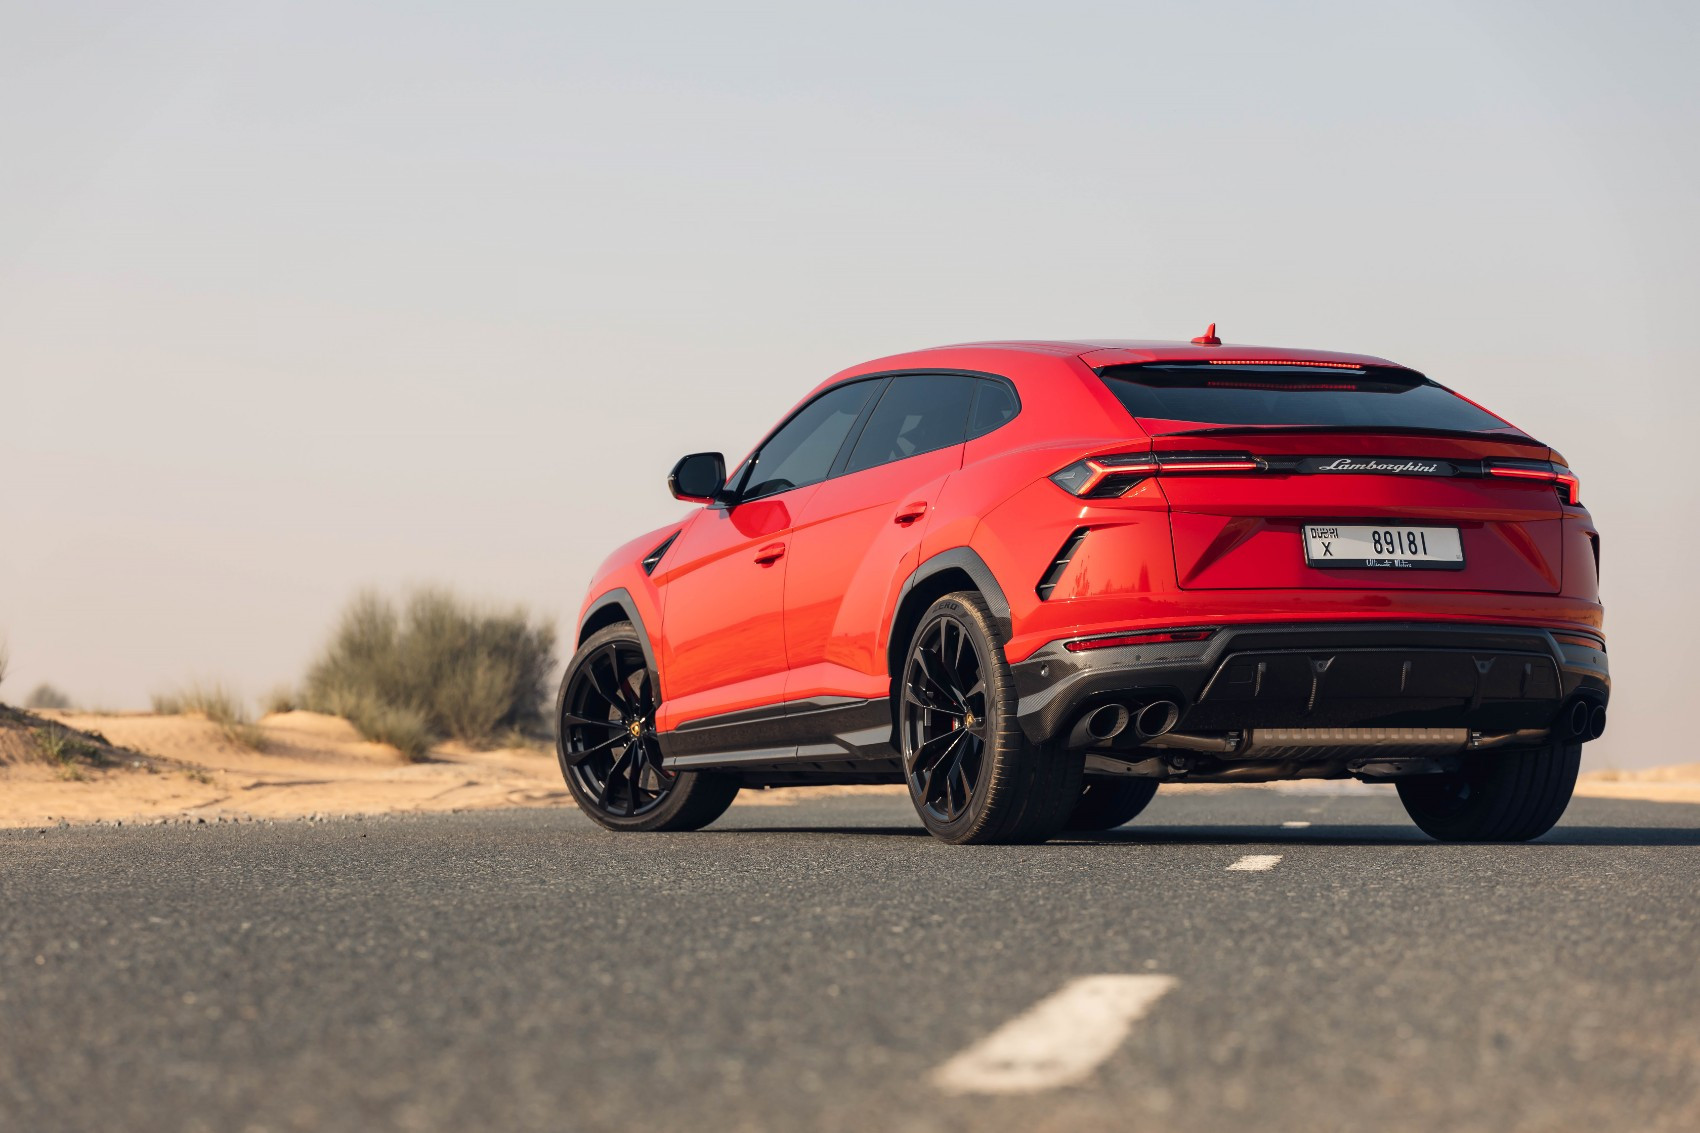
[828, 736]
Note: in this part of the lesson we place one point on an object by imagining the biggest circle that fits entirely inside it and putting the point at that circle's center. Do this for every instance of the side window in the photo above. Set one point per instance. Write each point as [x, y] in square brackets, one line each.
[802, 451]
[918, 413]
[994, 406]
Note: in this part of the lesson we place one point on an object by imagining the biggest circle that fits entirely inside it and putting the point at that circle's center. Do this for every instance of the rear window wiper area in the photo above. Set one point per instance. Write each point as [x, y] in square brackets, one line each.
[1313, 395]
[1506, 433]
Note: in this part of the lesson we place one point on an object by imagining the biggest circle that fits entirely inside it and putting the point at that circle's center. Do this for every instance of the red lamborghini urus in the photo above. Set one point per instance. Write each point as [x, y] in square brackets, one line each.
[1034, 580]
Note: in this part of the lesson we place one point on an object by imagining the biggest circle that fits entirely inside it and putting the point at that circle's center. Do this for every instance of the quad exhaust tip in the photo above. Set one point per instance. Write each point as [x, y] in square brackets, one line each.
[1156, 718]
[1100, 725]
[1585, 720]
[1107, 721]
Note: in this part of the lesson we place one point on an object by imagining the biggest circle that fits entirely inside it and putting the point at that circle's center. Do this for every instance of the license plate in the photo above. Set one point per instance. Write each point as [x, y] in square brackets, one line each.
[1384, 547]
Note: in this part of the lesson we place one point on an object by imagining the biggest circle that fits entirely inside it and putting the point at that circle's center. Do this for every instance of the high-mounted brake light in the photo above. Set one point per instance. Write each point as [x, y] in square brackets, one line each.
[1567, 484]
[1285, 362]
[1102, 477]
[1161, 637]
[1284, 387]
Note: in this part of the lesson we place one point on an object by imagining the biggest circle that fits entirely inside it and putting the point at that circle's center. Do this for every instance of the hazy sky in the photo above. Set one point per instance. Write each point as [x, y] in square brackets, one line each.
[296, 297]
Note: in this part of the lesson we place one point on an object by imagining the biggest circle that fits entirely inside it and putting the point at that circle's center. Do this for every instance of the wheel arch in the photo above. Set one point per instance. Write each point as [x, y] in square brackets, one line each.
[959, 568]
[616, 605]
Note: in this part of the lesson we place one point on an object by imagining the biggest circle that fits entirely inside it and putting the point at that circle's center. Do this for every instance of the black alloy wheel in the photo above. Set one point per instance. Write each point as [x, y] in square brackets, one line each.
[608, 730]
[972, 773]
[609, 751]
[944, 725]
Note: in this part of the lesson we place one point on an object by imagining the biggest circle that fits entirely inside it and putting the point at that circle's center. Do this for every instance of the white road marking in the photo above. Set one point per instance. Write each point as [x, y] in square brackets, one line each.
[1257, 862]
[1295, 825]
[1058, 1041]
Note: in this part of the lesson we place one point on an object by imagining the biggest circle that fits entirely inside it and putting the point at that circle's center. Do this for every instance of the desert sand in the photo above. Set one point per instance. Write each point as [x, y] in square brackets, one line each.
[311, 766]
[184, 769]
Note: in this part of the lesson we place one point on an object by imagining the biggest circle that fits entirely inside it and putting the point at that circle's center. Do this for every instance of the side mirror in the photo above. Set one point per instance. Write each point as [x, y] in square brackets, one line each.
[699, 478]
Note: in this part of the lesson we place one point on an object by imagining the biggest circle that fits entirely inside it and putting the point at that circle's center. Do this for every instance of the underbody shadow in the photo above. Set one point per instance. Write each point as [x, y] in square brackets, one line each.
[1266, 836]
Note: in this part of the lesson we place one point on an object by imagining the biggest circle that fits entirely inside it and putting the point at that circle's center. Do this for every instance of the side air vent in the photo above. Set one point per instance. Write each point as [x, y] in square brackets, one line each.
[653, 559]
[1060, 563]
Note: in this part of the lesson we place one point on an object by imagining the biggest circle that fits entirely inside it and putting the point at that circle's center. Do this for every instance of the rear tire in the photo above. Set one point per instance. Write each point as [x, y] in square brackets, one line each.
[606, 743]
[1108, 803]
[973, 776]
[1508, 797]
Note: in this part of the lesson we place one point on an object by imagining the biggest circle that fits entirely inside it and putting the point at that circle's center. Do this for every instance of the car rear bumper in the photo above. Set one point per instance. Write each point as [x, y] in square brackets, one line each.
[1484, 678]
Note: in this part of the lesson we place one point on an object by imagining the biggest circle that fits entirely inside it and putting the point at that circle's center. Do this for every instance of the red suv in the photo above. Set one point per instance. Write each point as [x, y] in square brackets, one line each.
[1033, 580]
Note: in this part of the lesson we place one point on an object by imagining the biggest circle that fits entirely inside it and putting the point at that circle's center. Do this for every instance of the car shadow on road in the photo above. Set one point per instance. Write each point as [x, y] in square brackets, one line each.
[1258, 835]
[1381, 836]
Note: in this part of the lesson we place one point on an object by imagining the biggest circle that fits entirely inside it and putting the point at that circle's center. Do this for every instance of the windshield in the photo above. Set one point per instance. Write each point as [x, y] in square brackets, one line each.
[1206, 393]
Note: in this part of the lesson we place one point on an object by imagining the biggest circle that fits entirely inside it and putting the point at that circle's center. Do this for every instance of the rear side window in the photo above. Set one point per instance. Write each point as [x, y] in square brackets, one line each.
[994, 405]
[917, 413]
[1228, 394]
[802, 451]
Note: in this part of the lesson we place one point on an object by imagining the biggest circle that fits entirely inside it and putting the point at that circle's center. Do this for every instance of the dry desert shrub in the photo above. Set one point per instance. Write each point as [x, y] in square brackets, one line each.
[436, 666]
[46, 696]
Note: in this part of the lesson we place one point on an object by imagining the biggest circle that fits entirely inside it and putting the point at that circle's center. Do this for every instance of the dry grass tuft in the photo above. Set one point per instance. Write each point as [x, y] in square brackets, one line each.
[67, 750]
[219, 705]
[280, 699]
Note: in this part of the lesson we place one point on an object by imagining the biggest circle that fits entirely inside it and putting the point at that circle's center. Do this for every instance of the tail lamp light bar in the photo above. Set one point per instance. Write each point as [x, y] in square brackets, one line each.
[1100, 477]
[1157, 637]
[1105, 477]
[1561, 478]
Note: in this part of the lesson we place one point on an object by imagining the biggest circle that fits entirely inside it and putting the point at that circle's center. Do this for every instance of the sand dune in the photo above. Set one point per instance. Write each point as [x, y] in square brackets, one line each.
[312, 764]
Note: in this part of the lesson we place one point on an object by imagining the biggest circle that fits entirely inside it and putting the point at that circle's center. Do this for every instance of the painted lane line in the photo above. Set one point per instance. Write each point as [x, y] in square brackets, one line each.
[1256, 863]
[1299, 825]
[1058, 1041]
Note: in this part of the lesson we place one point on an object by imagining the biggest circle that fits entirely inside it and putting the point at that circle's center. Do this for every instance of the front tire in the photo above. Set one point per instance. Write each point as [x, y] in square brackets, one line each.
[606, 743]
[973, 776]
[1508, 797]
[1108, 803]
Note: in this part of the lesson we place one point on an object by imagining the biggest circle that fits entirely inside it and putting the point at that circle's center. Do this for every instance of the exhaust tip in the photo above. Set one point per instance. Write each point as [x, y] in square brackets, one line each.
[1597, 722]
[1107, 722]
[1580, 718]
[1098, 726]
[1156, 718]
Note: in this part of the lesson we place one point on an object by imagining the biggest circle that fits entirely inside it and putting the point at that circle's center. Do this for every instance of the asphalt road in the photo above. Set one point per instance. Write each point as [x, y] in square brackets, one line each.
[812, 966]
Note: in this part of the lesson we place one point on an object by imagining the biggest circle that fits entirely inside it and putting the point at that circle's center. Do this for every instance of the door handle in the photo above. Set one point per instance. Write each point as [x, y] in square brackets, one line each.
[909, 513]
[770, 554]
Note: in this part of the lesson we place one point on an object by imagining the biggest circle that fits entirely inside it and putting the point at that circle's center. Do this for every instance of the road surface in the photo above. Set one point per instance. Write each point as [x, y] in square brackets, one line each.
[1214, 965]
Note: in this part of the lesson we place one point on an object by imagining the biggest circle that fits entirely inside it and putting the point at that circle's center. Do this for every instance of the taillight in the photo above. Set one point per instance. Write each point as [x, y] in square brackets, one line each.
[1563, 480]
[1101, 477]
[1580, 639]
[1158, 637]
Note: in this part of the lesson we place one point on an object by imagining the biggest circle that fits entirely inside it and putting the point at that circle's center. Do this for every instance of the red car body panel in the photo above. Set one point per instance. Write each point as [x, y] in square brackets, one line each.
[795, 597]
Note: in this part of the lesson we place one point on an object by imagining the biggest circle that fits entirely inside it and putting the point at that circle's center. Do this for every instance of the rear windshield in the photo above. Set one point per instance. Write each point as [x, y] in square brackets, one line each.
[1227, 394]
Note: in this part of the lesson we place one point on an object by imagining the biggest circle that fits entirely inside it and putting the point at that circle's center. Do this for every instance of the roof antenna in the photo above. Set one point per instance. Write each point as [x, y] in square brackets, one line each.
[1208, 338]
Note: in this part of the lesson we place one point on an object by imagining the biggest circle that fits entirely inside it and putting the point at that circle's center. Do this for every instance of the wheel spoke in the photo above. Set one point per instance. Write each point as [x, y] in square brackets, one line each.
[583, 754]
[960, 774]
[586, 721]
[942, 687]
[912, 698]
[613, 700]
[937, 757]
[949, 681]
